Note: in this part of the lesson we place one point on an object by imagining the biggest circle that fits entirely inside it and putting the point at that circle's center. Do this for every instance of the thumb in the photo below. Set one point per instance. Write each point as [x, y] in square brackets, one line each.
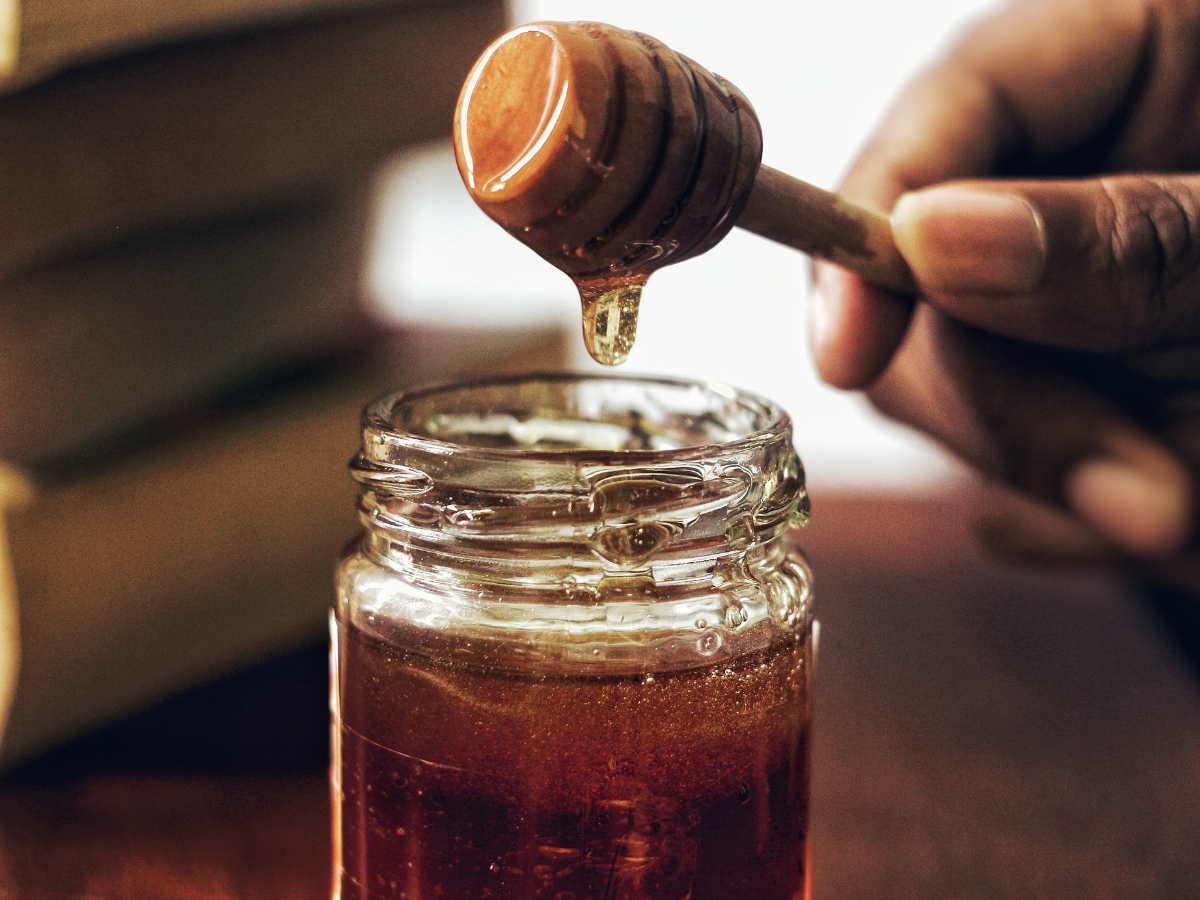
[1105, 264]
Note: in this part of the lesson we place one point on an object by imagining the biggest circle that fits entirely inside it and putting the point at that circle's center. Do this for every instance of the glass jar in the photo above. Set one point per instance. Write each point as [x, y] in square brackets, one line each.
[572, 650]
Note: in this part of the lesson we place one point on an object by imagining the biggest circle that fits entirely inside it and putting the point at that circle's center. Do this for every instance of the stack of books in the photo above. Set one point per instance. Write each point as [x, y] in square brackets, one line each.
[184, 340]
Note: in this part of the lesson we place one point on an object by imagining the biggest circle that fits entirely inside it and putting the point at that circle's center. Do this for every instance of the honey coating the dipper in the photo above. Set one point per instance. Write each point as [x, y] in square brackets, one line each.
[609, 155]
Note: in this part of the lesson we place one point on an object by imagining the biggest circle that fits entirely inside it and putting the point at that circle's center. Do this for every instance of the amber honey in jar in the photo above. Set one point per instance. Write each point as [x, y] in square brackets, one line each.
[573, 647]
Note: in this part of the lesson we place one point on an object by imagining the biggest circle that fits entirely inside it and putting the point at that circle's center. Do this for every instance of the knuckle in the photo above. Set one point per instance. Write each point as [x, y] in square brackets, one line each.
[1153, 245]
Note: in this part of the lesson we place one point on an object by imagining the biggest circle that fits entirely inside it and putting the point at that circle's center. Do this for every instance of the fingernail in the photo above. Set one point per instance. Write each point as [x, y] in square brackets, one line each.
[1145, 514]
[963, 241]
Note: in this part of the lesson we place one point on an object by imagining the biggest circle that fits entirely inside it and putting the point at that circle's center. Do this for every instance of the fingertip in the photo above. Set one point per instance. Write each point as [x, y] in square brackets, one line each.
[1140, 500]
[854, 328]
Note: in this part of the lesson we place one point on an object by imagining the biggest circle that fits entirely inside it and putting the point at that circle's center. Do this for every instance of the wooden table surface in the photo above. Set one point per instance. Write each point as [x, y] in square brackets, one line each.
[982, 732]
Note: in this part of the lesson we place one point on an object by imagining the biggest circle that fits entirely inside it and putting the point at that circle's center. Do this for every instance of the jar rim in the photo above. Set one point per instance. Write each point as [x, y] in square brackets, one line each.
[590, 477]
[770, 421]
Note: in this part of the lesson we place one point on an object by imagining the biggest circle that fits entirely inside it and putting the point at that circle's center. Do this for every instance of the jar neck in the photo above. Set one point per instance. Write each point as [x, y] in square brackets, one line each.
[571, 524]
[463, 487]
[712, 530]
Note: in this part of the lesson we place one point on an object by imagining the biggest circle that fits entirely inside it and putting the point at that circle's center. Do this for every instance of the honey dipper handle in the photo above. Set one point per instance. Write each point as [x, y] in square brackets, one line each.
[824, 225]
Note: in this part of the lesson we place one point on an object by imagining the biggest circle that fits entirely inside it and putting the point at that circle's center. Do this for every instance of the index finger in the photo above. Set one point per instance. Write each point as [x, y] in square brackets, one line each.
[1024, 85]
[1019, 90]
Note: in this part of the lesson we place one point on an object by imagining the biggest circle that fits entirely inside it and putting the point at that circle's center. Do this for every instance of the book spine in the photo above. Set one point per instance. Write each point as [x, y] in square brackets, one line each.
[10, 37]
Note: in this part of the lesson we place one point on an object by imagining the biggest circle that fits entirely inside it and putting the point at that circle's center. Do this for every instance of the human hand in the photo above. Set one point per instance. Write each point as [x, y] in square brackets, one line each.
[1056, 342]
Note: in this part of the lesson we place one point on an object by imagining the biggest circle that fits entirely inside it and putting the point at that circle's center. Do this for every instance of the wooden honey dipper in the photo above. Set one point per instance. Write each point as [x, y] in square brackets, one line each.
[611, 156]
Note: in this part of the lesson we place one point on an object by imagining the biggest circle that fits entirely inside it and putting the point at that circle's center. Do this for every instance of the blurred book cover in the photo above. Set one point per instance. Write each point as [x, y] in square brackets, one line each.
[185, 338]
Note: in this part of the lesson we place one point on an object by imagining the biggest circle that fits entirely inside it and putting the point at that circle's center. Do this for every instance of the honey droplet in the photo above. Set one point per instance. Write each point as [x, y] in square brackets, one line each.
[610, 316]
